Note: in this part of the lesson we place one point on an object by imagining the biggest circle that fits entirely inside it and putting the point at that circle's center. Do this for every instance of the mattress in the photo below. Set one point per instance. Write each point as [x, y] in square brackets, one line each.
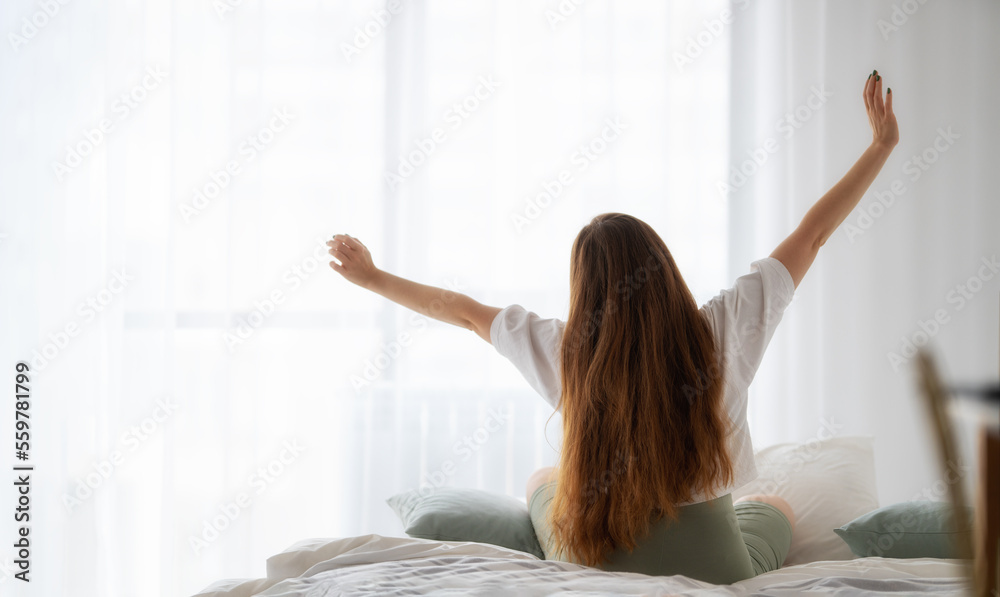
[377, 565]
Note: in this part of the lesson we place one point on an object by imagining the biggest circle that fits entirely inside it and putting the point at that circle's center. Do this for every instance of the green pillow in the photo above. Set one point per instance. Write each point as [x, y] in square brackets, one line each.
[456, 514]
[917, 529]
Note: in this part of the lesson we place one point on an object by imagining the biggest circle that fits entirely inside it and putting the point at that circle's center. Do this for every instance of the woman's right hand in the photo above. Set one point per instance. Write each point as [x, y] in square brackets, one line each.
[355, 260]
[880, 116]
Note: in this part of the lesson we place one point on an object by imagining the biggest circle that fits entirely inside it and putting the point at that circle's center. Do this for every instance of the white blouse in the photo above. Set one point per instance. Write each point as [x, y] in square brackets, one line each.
[743, 319]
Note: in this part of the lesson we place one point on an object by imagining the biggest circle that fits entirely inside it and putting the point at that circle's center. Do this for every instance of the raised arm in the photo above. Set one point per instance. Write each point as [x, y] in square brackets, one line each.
[444, 305]
[798, 251]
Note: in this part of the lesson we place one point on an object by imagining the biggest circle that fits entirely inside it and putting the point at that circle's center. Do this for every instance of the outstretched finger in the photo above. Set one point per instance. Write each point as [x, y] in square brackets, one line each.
[342, 240]
[866, 94]
[357, 244]
[871, 91]
[888, 101]
[879, 102]
[351, 242]
[340, 253]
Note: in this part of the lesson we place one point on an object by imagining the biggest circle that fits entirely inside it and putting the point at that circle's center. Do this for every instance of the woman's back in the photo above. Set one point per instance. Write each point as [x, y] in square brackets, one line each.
[706, 540]
[742, 318]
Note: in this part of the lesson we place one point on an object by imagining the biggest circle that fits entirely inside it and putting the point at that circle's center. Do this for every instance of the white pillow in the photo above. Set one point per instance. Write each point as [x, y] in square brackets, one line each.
[828, 483]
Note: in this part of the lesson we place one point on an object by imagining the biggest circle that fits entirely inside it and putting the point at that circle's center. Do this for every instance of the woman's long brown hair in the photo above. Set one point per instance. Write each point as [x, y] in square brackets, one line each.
[643, 423]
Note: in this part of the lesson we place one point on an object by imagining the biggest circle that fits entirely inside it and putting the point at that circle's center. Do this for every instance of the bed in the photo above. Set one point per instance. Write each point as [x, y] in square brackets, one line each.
[844, 543]
[376, 565]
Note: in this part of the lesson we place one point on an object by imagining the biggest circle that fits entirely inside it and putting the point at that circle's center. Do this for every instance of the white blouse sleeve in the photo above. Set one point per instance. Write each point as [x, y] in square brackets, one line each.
[745, 316]
[532, 344]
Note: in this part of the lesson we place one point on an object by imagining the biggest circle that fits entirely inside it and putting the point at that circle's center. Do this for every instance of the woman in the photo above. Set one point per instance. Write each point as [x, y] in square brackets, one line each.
[652, 389]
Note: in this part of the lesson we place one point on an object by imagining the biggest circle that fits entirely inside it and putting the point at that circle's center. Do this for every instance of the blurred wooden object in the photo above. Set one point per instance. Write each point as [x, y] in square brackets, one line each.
[988, 513]
[935, 400]
[984, 413]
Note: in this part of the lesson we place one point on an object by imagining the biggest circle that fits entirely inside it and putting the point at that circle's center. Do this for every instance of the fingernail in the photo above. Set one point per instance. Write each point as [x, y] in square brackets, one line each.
[869, 76]
[878, 78]
[889, 91]
[873, 73]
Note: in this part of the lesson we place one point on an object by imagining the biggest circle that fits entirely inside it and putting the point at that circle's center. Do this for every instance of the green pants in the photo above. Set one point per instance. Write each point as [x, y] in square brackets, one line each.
[712, 541]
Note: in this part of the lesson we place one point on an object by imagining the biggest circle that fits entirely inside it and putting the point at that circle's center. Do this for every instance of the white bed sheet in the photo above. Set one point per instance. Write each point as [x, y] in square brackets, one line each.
[377, 565]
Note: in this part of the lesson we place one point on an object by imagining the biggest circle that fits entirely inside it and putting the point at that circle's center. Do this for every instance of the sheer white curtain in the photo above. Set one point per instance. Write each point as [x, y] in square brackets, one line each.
[910, 264]
[204, 390]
